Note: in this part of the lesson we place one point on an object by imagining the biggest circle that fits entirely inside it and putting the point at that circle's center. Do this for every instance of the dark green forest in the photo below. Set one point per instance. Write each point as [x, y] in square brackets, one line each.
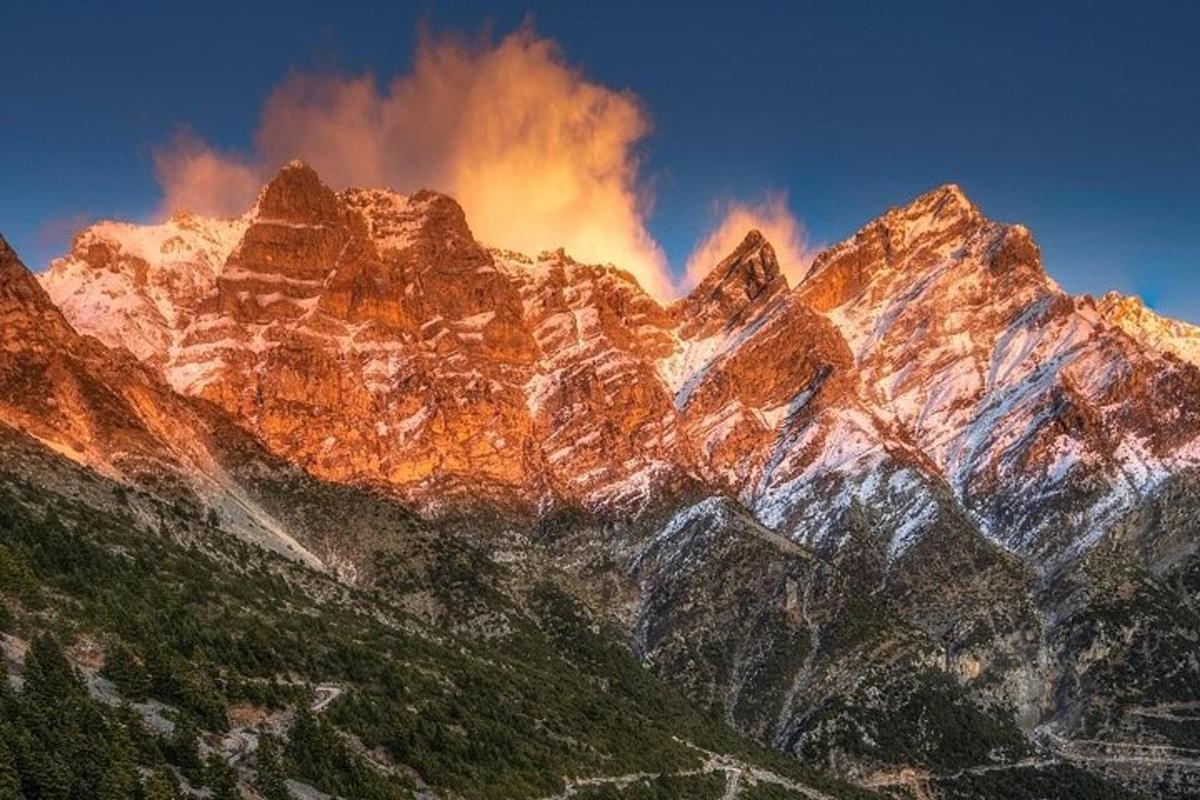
[535, 693]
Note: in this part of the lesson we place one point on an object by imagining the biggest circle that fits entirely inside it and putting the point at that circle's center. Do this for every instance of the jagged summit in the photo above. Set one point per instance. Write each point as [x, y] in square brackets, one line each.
[981, 360]
[947, 200]
[296, 194]
[937, 227]
[1116, 305]
[752, 240]
[28, 317]
[1131, 314]
[734, 289]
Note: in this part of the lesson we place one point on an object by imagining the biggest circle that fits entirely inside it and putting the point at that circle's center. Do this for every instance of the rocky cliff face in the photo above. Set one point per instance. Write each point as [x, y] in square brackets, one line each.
[1131, 315]
[367, 336]
[1016, 392]
[103, 408]
[118, 417]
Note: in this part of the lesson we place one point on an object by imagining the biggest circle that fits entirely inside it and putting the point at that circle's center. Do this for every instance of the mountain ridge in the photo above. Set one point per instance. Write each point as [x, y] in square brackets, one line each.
[397, 286]
[821, 510]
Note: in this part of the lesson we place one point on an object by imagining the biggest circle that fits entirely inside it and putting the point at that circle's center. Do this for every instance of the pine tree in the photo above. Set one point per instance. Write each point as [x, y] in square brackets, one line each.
[222, 781]
[51, 700]
[184, 749]
[118, 777]
[271, 782]
[302, 738]
[51, 778]
[142, 741]
[118, 782]
[10, 781]
[160, 786]
[49, 677]
[123, 669]
[8, 700]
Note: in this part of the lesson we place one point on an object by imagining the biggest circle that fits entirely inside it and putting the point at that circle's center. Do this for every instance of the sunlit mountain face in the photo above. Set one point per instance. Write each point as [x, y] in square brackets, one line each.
[395, 456]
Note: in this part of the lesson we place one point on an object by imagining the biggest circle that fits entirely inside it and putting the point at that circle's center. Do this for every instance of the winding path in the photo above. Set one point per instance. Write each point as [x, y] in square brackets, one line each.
[735, 770]
[323, 695]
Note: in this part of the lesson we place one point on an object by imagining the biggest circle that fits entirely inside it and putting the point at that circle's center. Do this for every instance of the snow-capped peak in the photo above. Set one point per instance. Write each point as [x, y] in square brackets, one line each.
[132, 285]
[1131, 315]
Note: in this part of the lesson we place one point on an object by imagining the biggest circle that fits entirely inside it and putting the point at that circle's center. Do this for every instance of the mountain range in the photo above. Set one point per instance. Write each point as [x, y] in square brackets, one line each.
[924, 521]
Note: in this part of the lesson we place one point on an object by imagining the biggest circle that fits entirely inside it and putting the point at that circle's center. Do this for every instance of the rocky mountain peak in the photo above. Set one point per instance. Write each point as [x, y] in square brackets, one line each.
[937, 221]
[1115, 305]
[938, 228]
[736, 288]
[424, 229]
[1130, 314]
[7, 254]
[444, 225]
[296, 194]
[27, 315]
[943, 202]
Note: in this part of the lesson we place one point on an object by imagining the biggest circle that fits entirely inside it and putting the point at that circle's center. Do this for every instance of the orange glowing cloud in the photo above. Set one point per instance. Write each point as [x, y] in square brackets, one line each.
[197, 178]
[773, 219]
[538, 155]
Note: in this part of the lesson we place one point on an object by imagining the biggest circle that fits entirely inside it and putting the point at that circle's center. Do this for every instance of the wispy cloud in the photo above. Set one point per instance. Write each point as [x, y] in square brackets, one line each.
[771, 216]
[538, 155]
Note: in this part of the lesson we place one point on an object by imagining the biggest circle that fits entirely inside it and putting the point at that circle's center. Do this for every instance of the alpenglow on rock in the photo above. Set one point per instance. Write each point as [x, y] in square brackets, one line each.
[926, 364]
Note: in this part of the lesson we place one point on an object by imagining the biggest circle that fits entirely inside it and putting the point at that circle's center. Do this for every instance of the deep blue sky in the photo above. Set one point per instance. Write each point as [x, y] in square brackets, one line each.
[1080, 120]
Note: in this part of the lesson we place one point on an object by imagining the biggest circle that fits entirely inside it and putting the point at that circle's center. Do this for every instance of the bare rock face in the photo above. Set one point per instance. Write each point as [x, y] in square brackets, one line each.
[297, 234]
[734, 291]
[1020, 395]
[371, 339]
[920, 233]
[31, 321]
[368, 336]
[1132, 316]
[606, 425]
[103, 408]
[792, 363]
